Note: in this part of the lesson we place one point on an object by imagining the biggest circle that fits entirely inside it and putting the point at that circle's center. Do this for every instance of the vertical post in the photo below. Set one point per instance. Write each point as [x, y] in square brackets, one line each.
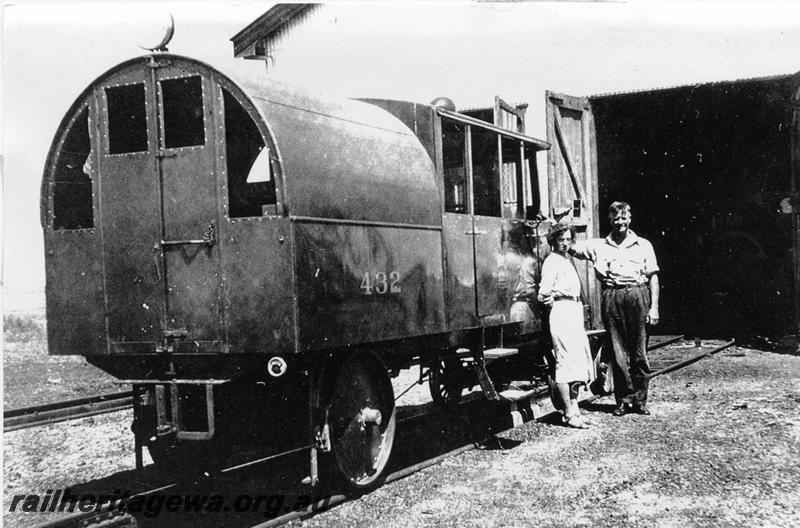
[175, 407]
[469, 191]
[210, 410]
[553, 189]
[161, 407]
[157, 132]
[314, 381]
[137, 436]
[314, 466]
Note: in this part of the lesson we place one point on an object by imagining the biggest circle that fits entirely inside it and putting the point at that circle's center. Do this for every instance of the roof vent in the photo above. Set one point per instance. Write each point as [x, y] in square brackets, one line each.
[444, 102]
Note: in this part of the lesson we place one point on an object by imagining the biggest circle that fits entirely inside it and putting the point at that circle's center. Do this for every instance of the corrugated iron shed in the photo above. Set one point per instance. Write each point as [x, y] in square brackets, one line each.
[776, 77]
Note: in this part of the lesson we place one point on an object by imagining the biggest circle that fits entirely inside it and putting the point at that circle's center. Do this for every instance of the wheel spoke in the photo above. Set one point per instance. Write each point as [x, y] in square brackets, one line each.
[446, 383]
[362, 421]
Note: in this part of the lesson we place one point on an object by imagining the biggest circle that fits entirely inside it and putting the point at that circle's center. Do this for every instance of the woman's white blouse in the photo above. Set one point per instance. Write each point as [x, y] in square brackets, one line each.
[559, 277]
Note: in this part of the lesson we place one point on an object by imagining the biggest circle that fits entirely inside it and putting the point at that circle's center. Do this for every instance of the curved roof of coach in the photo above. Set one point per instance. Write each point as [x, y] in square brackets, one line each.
[340, 159]
[347, 159]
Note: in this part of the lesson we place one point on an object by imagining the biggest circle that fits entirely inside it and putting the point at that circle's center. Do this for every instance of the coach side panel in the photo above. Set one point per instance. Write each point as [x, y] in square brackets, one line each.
[257, 285]
[361, 283]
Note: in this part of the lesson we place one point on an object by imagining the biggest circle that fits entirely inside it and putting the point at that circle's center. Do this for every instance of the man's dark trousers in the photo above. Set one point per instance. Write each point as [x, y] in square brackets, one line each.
[624, 312]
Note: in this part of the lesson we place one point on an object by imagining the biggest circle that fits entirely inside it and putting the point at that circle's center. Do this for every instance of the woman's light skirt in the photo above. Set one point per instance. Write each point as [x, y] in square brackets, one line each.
[570, 344]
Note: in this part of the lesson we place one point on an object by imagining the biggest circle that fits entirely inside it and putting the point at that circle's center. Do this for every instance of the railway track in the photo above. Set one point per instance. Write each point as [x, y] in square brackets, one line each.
[545, 409]
[66, 410]
[112, 516]
[45, 414]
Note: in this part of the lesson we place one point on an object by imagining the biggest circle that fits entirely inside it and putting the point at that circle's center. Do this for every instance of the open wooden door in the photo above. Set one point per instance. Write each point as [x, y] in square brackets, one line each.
[572, 179]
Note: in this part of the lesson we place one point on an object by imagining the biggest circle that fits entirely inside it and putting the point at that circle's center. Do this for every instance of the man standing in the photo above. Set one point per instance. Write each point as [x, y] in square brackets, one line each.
[625, 264]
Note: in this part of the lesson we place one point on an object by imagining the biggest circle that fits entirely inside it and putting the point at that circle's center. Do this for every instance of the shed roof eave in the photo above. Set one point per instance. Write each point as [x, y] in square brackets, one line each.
[268, 26]
[776, 77]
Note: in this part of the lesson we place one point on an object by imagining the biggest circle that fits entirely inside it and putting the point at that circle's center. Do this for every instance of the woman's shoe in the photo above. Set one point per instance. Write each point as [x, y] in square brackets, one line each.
[576, 422]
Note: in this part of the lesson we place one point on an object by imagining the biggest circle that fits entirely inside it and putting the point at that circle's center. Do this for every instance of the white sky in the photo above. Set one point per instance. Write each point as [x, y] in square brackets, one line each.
[411, 51]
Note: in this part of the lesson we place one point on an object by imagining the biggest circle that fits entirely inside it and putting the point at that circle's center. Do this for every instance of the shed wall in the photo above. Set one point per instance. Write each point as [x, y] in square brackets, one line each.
[705, 169]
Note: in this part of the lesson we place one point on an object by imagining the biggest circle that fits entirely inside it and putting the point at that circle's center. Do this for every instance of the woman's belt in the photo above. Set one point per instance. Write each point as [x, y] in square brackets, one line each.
[566, 298]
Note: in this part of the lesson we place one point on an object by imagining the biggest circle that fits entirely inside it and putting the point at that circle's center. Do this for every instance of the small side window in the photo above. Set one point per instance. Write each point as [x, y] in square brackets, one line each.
[455, 169]
[72, 183]
[485, 173]
[127, 121]
[511, 179]
[183, 112]
[251, 187]
[529, 168]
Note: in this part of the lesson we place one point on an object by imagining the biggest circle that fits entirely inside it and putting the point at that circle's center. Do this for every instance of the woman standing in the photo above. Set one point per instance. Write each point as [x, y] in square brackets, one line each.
[561, 290]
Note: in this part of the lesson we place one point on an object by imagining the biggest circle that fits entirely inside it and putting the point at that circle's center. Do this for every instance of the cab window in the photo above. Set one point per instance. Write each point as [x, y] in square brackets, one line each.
[72, 183]
[511, 180]
[251, 187]
[455, 167]
[485, 172]
[127, 119]
[519, 181]
[182, 100]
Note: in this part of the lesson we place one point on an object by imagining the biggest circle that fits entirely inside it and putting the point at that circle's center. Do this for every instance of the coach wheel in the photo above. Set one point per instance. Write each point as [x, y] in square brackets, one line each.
[446, 383]
[362, 418]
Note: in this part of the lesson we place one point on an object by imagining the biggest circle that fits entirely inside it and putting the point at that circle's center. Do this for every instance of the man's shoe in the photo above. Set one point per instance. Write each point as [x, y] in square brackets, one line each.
[641, 409]
[621, 410]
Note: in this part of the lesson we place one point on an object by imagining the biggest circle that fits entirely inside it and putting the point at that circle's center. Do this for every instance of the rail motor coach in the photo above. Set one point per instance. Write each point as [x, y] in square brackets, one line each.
[258, 262]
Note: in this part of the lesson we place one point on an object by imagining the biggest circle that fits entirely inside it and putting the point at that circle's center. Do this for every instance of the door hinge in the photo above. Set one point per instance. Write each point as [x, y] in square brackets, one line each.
[154, 64]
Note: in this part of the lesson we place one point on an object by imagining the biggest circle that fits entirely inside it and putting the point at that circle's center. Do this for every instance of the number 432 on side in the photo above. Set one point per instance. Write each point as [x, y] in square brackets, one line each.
[380, 283]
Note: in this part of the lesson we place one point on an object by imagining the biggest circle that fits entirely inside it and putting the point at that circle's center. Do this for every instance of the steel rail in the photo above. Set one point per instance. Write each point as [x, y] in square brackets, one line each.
[66, 410]
[668, 340]
[693, 359]
[334, 500]
[50, 413]
[113, 515]
[106, 515]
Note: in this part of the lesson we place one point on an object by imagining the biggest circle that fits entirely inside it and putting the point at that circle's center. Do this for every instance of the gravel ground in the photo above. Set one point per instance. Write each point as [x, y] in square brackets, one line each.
[31, 377]
[719, 450]
[62, 455]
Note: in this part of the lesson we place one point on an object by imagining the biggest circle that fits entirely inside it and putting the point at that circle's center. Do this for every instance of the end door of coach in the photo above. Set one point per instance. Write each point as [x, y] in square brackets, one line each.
[159, 209]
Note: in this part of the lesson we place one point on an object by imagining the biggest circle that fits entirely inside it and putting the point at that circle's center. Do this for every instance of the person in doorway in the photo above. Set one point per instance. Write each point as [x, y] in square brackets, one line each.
[520, 262]
[522, 308]
[625, 264]
[560, 289]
